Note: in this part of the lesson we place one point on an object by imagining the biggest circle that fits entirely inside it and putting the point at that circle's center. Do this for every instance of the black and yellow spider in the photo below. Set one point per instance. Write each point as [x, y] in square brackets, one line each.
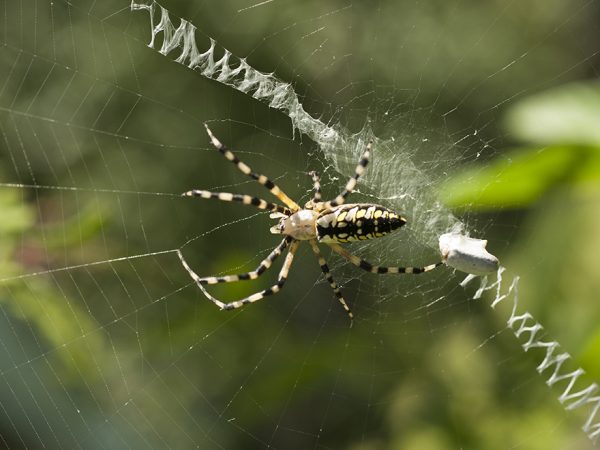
[330, 222]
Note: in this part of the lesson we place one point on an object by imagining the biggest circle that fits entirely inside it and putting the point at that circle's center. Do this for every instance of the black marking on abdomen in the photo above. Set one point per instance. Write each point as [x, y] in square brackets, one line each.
[354, 222]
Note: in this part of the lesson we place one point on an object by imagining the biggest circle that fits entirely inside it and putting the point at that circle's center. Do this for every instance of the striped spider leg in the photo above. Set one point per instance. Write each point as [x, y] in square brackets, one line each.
[351, 184]
[276, 210]
[262, 267]
[316, 186]
[316, 200]
[266, 182]
[329, 277]
[365, 265]
[331, 222]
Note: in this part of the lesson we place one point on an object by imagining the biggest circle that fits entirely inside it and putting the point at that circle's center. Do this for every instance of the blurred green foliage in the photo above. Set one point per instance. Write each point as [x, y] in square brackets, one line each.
[35, 299]
[119, 352]
[560, 127]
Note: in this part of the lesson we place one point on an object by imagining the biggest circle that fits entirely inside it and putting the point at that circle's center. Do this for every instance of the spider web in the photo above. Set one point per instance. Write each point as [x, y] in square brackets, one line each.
[107, 343]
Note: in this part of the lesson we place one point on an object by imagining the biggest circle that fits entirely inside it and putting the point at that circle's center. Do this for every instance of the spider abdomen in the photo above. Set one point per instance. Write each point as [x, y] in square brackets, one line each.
[356, 222]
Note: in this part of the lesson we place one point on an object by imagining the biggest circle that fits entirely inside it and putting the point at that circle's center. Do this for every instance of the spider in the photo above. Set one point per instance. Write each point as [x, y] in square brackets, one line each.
[329, 222]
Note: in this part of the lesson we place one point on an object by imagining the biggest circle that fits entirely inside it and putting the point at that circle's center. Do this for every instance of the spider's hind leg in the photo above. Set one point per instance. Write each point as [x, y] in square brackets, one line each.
[365, 265]
[281, 279]
[329, 278]
[262, 268]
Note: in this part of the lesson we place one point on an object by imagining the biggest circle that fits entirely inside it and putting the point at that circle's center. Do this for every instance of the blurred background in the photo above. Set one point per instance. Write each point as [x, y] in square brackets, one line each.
[106, 343]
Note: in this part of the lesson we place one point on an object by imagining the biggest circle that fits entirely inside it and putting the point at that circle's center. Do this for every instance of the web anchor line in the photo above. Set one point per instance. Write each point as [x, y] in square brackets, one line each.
[575, 394]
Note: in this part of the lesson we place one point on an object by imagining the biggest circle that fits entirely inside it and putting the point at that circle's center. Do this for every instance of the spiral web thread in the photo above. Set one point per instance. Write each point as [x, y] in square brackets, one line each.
[341, 149]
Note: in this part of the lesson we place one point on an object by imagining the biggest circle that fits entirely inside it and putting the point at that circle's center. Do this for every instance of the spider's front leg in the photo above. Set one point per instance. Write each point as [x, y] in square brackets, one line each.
[241, 198]
[246, 170]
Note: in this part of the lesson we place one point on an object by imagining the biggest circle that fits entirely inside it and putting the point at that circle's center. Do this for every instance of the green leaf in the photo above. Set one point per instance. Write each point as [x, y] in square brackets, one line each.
[515, 180]
[569, 114]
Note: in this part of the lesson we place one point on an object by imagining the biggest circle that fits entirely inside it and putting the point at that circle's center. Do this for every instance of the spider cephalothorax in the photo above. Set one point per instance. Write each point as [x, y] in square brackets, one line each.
[331, 222]
[301, 225]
